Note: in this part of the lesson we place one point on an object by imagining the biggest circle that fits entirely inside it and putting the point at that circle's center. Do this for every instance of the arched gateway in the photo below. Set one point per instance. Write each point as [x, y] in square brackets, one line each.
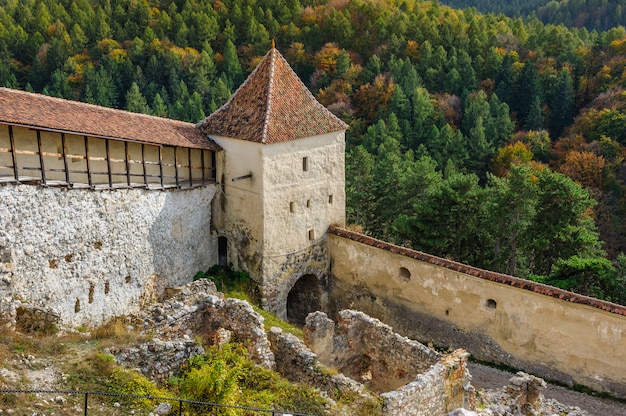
[305, 297]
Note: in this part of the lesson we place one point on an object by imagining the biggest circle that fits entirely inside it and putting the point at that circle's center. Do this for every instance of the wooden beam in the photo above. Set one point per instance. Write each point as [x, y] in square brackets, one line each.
[176, 166]
[16, 173]
[41, 162]
[213, 165]
[127, 164]
[202, 163]
[89, 179]
[64, 151]
[190, 170]
[161, 165]
[108, 150]
[143, 163]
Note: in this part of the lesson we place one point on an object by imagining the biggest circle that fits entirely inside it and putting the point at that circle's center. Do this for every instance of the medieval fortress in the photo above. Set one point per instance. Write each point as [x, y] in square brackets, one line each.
[102, 210]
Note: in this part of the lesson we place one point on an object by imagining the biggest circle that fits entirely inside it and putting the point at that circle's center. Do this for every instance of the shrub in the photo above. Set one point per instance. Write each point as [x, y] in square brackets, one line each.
[228, 376]
[131, 382]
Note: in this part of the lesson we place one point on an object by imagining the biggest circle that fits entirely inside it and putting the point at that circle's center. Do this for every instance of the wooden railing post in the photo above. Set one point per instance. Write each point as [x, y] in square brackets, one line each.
[41, 162]
[16, 174]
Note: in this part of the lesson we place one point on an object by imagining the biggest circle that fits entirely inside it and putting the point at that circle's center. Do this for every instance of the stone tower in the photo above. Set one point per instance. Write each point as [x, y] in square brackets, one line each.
[283, 184]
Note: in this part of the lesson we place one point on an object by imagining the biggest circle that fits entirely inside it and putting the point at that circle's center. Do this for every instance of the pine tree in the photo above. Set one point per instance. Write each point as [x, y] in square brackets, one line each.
[563, 104]
[58, 86]
[534, 119]
[159, 108]
[100, 88]
[232, 67]
[193, 111]
[135, 101]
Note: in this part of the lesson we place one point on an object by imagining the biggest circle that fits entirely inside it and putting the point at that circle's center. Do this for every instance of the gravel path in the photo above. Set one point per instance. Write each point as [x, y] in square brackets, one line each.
[484, 377]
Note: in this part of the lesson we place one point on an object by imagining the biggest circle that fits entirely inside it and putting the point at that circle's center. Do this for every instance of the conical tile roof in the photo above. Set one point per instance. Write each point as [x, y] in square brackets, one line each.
[271, 106]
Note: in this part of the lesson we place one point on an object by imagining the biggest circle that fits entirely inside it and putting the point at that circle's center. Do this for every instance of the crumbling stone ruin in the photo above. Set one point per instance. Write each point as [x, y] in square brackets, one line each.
[410, 377]
[422, 381]
[522, 396]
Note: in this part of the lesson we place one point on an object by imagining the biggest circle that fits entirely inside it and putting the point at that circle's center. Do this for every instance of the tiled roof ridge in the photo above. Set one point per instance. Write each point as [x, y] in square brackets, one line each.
[268, 103]
[91, 106]
[242, 86]
[310, 94]
[517, 282]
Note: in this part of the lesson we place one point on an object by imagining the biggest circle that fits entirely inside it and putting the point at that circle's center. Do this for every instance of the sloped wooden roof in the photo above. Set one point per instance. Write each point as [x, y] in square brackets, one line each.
[48, 113]
[271, 106]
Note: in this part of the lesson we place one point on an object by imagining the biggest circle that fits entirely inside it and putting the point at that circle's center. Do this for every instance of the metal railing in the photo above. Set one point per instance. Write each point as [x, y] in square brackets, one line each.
[181, 402]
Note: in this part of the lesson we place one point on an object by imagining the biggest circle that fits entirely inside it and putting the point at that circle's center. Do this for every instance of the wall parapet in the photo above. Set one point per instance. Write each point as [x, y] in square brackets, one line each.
[481, 273]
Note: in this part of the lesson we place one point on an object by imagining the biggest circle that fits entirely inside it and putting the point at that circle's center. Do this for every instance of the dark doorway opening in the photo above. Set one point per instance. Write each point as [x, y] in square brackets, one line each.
[304, 298]
[222, 251]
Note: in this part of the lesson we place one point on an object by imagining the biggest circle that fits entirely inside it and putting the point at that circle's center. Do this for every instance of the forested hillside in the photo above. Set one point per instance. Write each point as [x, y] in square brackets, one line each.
[474, 137]
[590, 14]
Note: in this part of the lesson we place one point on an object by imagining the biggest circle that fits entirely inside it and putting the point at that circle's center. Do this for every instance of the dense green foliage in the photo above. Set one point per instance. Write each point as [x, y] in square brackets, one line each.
[440, 104]
[226, 375]
[591, 14]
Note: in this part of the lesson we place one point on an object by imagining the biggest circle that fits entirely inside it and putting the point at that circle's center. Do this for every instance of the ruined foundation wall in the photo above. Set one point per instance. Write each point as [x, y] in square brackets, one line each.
[367, 350]
[552, 333]
[297, 363]
[412, 378]
[443, 388]
[89, 255]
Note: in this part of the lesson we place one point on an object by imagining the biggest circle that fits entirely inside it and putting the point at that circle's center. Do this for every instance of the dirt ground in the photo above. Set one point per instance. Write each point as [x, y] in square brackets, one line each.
[484, 377]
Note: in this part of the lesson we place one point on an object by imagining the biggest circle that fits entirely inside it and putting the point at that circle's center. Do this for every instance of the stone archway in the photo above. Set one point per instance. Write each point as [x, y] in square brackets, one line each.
[304, 297]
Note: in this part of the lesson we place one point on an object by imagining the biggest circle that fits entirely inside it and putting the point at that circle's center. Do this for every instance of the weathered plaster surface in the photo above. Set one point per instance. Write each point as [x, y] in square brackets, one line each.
[276, 221]
[88, 255]
[286, 182]
[238, 211]
[299, 205]
[523, 328]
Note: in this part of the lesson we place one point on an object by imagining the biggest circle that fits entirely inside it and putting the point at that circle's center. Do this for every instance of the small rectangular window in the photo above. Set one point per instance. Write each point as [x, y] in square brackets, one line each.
[305, 164]
[311, 235]
[308, 203]
[330, 199]
[292, 207]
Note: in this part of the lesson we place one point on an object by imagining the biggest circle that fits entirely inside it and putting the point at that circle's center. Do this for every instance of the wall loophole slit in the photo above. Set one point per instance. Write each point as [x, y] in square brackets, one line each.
[405, 274]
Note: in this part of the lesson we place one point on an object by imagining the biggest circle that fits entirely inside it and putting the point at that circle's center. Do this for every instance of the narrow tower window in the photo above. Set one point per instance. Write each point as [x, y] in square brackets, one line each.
[292, 207]
[311, 235]
[330, 199]
[305, 164]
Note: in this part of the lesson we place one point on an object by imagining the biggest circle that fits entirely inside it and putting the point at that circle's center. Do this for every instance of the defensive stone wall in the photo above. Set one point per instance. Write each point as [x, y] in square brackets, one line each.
[546, 331]
[86, 256]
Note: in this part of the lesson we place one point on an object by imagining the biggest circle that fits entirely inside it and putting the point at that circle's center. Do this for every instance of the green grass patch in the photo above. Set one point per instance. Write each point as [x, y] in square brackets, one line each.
[232, 283]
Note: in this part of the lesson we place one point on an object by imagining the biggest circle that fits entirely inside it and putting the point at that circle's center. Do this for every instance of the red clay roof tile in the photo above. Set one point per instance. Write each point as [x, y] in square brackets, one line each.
[272, 106]
[48, 113]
